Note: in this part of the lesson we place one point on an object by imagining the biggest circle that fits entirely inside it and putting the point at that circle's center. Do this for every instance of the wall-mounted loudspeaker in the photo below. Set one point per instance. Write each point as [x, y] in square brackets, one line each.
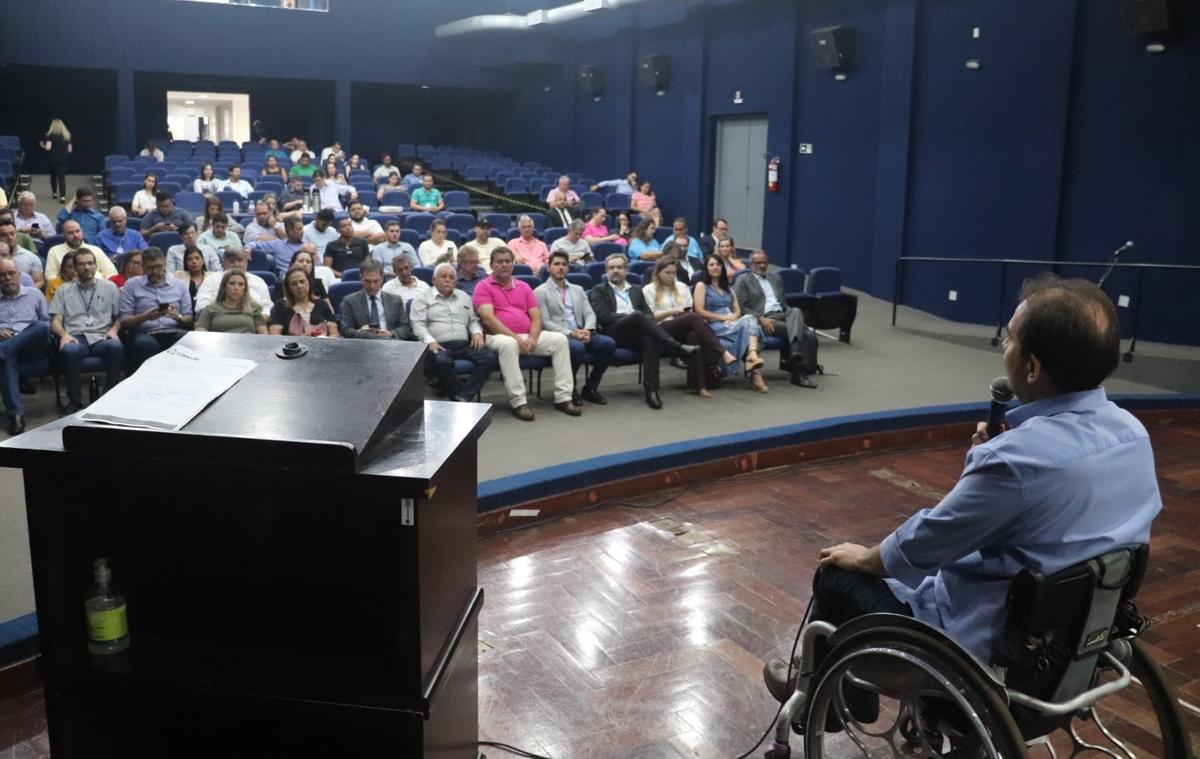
[1145, 16]
[591, 80]
[833, 47]
[654, 71]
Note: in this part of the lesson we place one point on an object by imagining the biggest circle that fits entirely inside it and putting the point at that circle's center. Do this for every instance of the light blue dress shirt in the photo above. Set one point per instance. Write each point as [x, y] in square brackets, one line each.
[1072, 478]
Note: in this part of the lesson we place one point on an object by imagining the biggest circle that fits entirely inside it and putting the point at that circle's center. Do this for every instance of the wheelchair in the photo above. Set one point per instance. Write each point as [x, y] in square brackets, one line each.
[1070, 640]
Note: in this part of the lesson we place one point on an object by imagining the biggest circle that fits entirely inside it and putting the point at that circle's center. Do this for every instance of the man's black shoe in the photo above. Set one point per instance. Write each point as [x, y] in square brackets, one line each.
[803, 380]
[72, 407]
[593, 396]
[27, 387]
[652, 399]
[16, 425]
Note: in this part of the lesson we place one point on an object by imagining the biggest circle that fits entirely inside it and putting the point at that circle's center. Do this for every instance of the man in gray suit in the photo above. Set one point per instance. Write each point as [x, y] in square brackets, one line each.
[566, 310]
[760, 294]
[370, 313]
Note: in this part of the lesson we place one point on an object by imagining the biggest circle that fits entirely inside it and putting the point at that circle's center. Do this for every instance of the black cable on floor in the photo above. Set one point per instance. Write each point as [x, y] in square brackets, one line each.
[512, 749]
[791, 659]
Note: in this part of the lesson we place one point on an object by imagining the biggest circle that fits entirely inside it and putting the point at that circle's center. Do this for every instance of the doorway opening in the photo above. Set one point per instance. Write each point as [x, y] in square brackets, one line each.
[212, 116]
[739, 177]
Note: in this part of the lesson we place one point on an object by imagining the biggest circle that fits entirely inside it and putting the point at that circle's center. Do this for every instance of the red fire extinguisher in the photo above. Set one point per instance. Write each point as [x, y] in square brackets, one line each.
[773, 174]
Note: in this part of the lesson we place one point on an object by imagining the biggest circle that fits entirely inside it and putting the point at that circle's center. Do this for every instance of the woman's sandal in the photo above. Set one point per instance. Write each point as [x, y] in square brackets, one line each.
[753, 364]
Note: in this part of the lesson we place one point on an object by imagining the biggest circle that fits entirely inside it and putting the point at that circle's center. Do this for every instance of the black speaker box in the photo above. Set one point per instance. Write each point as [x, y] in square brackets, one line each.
[1145, 16]
[833, 47]
[592, 80]
[654, 71]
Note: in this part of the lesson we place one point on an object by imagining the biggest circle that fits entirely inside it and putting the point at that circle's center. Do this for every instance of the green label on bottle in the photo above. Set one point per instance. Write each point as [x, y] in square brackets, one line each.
[107, 625]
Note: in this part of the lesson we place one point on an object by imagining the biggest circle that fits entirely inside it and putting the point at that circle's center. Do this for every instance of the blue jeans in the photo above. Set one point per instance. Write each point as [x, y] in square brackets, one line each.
[29, 343]
[144, 345]
[111, 352]
[601, 348]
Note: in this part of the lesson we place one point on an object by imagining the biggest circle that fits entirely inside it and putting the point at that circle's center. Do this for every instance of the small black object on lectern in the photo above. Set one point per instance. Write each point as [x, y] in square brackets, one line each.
[299, 562]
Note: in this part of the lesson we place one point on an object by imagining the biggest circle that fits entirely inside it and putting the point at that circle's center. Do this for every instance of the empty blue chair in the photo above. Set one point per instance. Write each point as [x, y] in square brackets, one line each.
[398, 198]
[528, 279]
[113, 161]
[463, 223]
[364, 187]
[180, 177]
[595, 270]
[229, 197]
[616, 201]
[404, 150]
[419, 222]
[633, 279]
[500, 222]
[516, 187]
[269, 277]
[192, 202]
[663, 233]
[257, 195]
[591, 200]
[474, 174]
[352, 275]
[552, 234]
[643, 268]
[824, 280]
[512, 234]
[159, 170]
[340, 290]
[125, 191]
[522, 270]
[119, 174]
[457, 200]
[410, 236]
[260, 260]
[831, 308]
[424, 273]
[172, 187]
[164, 240]
[583, 280]
[425, 151]
[603, 250]
[793, 283]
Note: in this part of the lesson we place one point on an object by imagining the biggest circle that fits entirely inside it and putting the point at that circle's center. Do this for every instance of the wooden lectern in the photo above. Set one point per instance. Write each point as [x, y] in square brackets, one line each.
[299, 563]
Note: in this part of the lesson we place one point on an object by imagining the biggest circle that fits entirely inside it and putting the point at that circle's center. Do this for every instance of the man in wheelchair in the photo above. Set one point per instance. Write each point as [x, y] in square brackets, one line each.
[1071, 479]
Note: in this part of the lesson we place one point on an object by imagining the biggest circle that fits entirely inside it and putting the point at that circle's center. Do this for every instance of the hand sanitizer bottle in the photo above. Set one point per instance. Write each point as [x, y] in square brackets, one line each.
[108, 625]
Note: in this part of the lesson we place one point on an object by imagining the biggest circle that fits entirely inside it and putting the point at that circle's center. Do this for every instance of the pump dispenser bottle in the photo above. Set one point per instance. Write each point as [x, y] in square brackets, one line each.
[108, 625]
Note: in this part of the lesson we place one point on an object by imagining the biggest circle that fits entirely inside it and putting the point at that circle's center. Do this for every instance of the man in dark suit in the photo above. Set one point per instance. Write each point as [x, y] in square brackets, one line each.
[708, 242]
[560, 212]
[760, 294]
[371, 313]
[624, 315]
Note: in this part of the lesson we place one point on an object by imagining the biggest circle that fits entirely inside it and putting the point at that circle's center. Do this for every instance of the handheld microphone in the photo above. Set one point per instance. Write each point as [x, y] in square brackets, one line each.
[1113, 262]
[1001, 395]
[1128, 244]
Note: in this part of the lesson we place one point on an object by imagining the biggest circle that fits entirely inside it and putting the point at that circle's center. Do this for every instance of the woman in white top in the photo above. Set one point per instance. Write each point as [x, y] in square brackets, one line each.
[437, 249]
[206, 183]
[671, 302]
[143, 199]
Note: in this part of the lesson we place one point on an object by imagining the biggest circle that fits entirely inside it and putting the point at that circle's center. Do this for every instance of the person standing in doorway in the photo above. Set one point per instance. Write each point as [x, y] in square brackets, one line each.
[57, 144]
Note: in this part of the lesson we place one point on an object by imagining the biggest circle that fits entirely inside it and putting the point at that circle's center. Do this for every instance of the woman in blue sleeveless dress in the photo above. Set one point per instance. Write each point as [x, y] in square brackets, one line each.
[714, 300]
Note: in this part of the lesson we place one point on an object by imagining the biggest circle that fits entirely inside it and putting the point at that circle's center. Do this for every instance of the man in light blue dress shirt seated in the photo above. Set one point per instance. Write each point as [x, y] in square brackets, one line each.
[118, 239]
[155, 309]
[24, 334]
[1072, 478]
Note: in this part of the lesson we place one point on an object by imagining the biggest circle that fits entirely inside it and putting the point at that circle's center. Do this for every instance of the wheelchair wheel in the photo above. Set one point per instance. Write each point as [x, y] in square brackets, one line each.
[900, 692]
[1144, 719]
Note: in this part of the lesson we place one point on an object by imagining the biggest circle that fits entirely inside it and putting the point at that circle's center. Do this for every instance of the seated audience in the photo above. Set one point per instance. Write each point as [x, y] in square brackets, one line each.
[321, 276]
[624, 229]
[572, 243]
[207, 183]
[727, 252]
[24, 334]
[283, 250]
[529, 250]
[485, 242]
[300, 150]
[293, 197]
[714, 300]
[143, 200]
[564, 188]
[565, 309]
[66, 271]
[264, 227]
[131, 266]
[356, 163]
[404, 285]
[82, 209]
[27, 261]
[152, 150]
[299, 312]
[274, 151]
[685, 267]
[391, 184]
[273, 169]
[687, 243]
[194, 273]
[23, 239]
[333, 153]
[708, 242]
[470, 273]
[365, 228]
[643, 201]
[671, 302]
[6, 254]
[512, 324]
[415, 178]
[347, 251]
[643, 246]
[86, 317]
[596, 231]
[373, 313]
[235, 183]
[443, 319]
[560, 212]
[628, 185]
[119, 238]
[191, 239]
[426, 198]
[212, 207]
[437, 249]
[155, 309]
[166, 216]
[233, 310]
[761, 295]
[623, 314]
[303, 168]
[385, 170]
[385, 252]
[321, 231]
[29, 220]
[73, 240]
[218, 237]
[235, 258]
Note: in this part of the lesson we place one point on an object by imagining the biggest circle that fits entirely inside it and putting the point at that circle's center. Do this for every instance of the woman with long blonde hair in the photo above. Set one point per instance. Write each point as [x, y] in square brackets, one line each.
[57, 144]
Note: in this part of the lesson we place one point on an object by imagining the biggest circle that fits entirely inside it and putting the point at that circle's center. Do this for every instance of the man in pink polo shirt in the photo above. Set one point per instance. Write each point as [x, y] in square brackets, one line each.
[512, 324]
[529, 250]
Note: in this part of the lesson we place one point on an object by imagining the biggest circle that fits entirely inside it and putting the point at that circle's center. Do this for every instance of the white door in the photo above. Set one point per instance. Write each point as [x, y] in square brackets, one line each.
[740, 178]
